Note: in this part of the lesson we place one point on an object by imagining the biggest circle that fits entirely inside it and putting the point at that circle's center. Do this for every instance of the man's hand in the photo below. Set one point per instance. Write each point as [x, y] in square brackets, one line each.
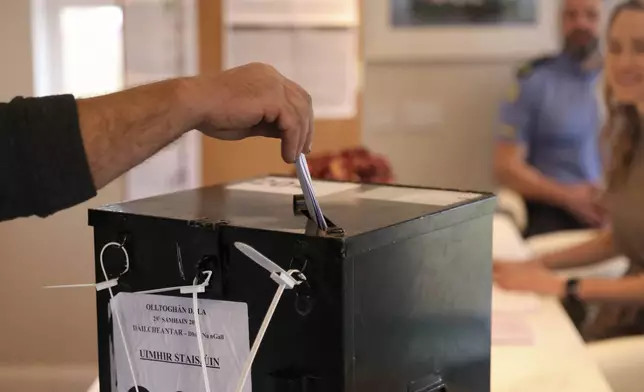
[253, 100]
[123, 129]
[582, 200]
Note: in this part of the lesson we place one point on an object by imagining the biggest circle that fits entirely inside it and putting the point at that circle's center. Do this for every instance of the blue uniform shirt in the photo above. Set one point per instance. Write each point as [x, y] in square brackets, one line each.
[555, 114]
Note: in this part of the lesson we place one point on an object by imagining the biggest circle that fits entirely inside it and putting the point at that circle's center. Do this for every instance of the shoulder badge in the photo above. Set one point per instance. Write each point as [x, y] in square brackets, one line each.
[530, 66]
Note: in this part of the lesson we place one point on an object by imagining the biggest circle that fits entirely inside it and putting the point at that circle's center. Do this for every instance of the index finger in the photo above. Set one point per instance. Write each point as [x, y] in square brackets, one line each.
[304, 104]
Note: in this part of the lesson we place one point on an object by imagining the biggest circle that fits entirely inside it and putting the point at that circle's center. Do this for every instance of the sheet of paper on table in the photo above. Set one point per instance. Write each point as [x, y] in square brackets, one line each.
[510, 312]
[511, 329]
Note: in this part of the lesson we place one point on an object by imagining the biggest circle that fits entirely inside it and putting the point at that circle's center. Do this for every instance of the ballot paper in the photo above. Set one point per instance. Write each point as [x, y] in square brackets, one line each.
[306, 183]
[162, 343]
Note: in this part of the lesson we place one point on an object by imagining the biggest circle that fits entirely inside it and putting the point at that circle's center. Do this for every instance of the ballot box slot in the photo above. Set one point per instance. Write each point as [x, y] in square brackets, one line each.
[300, 209]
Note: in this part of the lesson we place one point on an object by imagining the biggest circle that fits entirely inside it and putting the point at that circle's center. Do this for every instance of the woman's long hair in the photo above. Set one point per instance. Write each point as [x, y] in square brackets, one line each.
[623, 128]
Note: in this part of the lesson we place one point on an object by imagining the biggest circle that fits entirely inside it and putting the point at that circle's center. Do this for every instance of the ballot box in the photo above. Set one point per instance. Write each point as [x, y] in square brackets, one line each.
[396, 297]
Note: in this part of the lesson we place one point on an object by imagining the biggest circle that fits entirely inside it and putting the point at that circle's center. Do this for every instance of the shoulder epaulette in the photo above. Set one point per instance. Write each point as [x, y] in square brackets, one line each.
[530, 66]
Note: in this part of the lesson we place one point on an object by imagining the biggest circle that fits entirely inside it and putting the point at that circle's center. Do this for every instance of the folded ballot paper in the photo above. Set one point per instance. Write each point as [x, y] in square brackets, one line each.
[306, 183]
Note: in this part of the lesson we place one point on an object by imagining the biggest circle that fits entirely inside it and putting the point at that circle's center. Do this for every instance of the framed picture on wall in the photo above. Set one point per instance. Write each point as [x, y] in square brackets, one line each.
[411, 30]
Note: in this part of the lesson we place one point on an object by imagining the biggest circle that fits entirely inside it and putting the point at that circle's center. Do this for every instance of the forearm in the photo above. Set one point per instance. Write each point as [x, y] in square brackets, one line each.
[628, 290]
[598, 249]
[530, 183]
[123, 129]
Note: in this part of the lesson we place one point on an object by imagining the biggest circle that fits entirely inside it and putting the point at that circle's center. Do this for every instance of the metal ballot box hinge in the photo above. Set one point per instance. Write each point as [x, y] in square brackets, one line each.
[300, 208]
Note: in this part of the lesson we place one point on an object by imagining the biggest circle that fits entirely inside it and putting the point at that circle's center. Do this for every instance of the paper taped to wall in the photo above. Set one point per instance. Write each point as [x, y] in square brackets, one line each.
[162, 340]
[323, 61]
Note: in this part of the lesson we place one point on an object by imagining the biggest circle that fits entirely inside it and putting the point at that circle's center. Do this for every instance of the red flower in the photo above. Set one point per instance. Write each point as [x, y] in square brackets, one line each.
[355, 164]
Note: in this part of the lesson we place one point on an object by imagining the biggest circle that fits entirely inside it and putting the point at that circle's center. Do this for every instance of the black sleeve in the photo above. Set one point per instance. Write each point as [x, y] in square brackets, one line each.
[43, 166]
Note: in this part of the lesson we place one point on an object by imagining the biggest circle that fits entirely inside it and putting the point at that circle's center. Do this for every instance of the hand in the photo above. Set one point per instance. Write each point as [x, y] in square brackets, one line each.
[528, 277]
[500, 264]
[582, 200]
[254, 100]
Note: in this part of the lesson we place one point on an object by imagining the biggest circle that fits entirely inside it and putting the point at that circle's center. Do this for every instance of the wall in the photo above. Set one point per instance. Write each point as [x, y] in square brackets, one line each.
[47, 338]
[228, 161]
[435, 121]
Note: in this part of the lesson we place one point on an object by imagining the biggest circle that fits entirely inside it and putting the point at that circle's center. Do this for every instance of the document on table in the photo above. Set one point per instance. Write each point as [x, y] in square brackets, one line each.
[323, 61]
[510, 317]
[511, 329]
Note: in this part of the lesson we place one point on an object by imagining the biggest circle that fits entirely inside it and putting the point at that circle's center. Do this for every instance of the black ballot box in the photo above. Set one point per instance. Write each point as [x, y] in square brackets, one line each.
[397, 295]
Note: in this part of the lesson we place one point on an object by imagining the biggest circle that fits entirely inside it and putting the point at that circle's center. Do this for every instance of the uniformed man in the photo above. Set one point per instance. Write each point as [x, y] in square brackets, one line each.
[548, 148]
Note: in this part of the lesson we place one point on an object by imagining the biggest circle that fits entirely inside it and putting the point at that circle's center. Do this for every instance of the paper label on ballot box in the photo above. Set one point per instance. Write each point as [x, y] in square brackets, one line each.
[162, 342]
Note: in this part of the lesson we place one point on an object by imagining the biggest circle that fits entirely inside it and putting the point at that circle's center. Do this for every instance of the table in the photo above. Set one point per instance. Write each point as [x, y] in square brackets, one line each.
[558, 360]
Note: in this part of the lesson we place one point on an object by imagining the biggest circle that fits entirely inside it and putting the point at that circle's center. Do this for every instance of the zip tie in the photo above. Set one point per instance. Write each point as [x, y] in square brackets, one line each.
[118, 317]
[285, 281]
[194, 289]
[202, 352]
[108, 283]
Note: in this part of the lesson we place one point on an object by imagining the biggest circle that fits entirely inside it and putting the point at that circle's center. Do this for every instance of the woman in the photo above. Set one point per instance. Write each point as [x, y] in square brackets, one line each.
[621, 300]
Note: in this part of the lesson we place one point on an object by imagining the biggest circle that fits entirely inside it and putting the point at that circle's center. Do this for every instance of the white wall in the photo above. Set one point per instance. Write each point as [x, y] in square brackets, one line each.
[15, 46]
[436, 120]
[47, 338]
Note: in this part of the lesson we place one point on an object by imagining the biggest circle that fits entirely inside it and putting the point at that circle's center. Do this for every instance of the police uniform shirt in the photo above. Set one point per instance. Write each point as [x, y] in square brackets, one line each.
[554, 113]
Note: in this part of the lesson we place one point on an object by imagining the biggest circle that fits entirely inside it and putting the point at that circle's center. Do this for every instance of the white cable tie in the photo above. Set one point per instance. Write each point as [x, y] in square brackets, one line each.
[199, 288]
[285, 281]
[108, 283]
[116, 313]
[202, 351]
[71, 286]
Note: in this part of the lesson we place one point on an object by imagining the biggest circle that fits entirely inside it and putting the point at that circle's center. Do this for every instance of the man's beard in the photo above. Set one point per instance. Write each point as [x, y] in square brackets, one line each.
[581, 51]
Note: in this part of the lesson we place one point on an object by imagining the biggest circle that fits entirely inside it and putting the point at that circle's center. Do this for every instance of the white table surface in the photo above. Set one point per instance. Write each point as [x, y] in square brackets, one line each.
[558, 359]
